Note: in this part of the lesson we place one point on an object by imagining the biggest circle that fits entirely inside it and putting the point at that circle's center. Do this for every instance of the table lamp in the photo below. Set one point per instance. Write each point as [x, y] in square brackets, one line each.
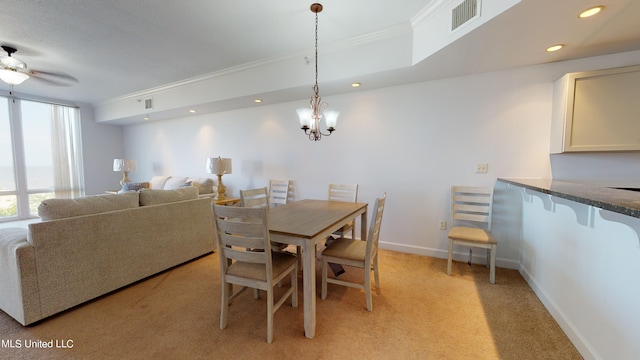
[125, 166]
[219, 166]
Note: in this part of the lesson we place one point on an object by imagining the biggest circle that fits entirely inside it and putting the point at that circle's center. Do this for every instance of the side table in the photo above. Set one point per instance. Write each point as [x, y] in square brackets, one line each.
[226, 201]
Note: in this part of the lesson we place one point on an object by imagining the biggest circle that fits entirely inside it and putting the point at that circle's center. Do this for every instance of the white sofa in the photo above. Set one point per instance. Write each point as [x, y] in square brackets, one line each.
[87, 247]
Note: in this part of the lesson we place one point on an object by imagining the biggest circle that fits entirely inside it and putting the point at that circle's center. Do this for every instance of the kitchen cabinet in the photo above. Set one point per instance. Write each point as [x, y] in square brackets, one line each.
[597, 111]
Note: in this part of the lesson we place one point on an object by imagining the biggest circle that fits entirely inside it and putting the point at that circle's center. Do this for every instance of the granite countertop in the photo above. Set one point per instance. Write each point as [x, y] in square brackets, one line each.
[625, 202]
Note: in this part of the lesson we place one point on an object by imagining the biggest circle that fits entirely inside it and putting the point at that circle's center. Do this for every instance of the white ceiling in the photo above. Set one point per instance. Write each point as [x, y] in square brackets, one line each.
[117, 47]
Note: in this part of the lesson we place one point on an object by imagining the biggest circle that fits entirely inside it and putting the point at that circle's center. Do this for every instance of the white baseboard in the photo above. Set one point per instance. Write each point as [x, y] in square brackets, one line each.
[479, 256]
[583, 346]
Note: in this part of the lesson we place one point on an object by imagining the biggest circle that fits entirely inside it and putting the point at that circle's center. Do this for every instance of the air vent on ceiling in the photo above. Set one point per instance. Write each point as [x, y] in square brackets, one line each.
[465, 11]
[148, 104]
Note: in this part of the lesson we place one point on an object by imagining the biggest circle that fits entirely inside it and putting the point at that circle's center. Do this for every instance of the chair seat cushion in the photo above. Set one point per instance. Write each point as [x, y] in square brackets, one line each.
[280, 261]
[471, 234]
[346, 249]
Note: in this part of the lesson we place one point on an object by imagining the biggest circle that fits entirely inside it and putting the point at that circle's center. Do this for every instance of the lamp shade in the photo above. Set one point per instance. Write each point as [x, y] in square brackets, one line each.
[124, 165]
[218, 165]
[13, 77]
[305, 117]
[331, 117]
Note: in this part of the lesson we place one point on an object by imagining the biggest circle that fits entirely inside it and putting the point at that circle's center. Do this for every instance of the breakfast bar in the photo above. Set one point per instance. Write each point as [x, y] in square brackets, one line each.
[579, 250]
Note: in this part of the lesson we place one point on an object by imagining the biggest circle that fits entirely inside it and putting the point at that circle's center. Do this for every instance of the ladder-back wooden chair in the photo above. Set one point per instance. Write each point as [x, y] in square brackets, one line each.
[471, 209]
[246, 259]
[356, 253]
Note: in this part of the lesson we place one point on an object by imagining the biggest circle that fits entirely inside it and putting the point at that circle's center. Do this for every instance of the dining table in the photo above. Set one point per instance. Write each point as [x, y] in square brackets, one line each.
[307, 223]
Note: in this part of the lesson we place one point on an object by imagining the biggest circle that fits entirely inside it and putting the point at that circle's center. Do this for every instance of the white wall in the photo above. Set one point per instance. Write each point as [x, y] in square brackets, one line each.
[100, 145]
[411, 141]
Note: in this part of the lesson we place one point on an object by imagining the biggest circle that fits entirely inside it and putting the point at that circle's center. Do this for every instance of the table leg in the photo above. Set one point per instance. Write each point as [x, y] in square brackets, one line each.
[309, 286]
[363, 226]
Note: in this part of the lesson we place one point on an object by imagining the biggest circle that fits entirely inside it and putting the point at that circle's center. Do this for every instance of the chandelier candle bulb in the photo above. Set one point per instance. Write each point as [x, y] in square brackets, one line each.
[331, 118]
[305, 117]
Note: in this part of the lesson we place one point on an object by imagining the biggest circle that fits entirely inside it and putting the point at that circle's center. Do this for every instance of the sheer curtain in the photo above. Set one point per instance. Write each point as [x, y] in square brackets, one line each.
[66, 143]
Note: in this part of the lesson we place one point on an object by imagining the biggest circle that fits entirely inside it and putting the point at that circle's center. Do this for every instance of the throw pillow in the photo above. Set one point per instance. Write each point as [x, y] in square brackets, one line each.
[134, 186]
[174, 183]
[157, 182]
[204, 185]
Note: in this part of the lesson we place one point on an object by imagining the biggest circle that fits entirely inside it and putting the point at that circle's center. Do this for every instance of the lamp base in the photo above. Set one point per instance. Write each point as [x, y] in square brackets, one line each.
[221, 189]
[125, 178]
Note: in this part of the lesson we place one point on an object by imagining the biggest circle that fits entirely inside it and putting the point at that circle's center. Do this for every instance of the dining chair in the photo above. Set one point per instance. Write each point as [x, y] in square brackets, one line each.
[252, 198]
[346, 193]
[356, 253]
[471, 209]
[278, 192]
[258, 198]
[246, 259]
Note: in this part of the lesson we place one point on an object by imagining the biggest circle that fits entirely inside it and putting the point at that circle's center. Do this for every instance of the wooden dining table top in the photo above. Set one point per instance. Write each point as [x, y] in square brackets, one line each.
[307, 218]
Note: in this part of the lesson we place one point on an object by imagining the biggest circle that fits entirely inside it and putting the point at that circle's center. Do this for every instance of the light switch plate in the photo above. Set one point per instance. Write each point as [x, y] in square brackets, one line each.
[482, 168]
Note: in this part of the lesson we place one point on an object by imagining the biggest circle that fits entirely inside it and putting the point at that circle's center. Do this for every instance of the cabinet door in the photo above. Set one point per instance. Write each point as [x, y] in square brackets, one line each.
[597, 111]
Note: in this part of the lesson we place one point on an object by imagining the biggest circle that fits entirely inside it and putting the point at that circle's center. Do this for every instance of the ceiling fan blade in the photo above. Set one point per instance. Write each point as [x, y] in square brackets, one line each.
[53, 82]
[53, 76]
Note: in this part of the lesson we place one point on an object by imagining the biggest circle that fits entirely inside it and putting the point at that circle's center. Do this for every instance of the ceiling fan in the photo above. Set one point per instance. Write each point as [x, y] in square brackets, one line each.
[15, 72]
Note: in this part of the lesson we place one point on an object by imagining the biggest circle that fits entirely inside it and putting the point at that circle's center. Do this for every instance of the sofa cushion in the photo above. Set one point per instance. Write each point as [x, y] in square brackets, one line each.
[204, 185]
[52, 209]
[157, 182]
[134, 186]
[154, 197]
[174, 183]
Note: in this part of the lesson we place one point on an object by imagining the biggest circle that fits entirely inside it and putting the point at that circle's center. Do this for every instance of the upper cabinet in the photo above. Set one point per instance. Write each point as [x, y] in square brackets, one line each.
[597, 111]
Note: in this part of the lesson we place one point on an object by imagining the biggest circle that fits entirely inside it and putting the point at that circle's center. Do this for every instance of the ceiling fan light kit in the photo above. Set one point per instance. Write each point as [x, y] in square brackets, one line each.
[13, 71]
[13, 77]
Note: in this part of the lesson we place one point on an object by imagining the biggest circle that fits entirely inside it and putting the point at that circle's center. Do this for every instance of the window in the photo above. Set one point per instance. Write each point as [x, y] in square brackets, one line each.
[40, 156]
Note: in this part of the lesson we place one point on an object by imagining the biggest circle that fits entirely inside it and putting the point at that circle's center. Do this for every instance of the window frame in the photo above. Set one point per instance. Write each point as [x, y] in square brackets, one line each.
[22, 191]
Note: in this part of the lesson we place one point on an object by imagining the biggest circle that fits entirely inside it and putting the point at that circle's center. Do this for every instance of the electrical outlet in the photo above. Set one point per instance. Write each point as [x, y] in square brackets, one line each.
[482, 168]
[443, 225]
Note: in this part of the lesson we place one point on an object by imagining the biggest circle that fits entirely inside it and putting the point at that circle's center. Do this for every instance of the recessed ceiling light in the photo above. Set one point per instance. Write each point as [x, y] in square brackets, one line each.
[591, 11]
[555, 47]
[257, 101]
[145, 118]
[192, 111]
[356, 84]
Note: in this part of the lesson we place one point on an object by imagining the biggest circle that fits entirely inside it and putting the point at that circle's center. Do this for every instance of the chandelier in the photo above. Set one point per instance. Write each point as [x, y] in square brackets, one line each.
[310, 117]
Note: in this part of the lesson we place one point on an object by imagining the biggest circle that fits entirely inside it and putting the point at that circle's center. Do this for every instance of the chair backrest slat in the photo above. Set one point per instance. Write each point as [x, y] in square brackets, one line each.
[471, 204]
[241, 231]
[278, 192]
[471, 217]
[254, 198]
[242, 241]
[471, 208]
[343, 192]
[255, 257]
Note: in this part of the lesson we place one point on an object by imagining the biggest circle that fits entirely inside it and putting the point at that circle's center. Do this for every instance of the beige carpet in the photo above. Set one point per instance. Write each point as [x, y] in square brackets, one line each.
[419, 313]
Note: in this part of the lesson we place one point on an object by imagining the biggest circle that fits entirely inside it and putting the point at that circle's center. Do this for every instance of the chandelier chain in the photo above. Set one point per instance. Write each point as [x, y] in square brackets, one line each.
[316, 86]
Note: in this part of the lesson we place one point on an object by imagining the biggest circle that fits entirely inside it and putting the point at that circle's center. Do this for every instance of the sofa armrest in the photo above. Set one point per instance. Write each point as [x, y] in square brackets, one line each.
[19, 294]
